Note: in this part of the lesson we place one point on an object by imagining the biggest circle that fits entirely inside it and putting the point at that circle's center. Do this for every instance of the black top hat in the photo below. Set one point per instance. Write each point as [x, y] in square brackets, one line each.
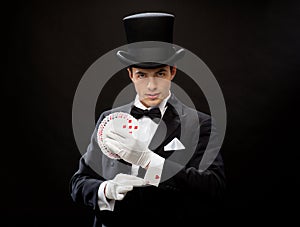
[150, 38]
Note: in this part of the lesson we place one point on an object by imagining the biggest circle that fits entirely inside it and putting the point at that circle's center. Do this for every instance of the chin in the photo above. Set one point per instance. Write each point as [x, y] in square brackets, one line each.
[151, 103]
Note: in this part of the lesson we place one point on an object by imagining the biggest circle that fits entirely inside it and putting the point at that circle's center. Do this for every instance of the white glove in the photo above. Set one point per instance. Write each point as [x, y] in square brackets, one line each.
[130, 149]
[121, 184]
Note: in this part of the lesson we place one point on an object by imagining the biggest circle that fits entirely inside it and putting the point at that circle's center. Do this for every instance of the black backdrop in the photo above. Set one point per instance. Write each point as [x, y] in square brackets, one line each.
[252, 48]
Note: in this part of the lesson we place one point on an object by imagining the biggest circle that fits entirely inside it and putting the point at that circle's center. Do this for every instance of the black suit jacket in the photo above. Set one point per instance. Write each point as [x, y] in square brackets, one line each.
[189, 188]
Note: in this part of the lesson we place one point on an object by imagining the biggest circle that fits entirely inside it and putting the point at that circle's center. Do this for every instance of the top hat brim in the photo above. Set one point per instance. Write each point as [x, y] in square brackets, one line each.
[129, 60]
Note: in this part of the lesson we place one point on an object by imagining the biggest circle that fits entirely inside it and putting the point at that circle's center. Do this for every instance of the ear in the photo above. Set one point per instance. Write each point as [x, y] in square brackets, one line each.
[173, 72]
[130, 74]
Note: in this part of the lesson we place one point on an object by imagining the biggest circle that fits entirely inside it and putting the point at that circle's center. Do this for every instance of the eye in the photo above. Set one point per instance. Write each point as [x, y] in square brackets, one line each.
[161, 74]
[141, 76]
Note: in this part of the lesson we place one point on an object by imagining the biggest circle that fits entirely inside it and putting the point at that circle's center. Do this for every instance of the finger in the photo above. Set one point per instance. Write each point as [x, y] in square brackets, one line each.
[115, 135]
[112, 135]
[112, 145]
[124, 188]
[136, 183]
[134, 179]
[127, 179]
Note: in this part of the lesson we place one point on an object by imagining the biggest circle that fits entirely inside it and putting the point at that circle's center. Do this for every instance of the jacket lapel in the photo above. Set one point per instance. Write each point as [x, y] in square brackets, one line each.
[168, 128]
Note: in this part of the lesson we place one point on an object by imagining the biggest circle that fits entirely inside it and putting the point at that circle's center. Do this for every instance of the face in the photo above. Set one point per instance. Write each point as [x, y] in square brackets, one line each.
[152, 85]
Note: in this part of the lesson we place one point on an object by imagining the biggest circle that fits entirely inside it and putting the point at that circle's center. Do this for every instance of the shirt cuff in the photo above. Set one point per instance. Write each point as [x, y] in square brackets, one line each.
[103, 203]
[154, 171]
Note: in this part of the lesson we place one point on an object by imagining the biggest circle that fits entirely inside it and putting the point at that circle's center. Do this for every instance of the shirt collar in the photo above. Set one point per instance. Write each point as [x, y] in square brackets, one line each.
[161, 106]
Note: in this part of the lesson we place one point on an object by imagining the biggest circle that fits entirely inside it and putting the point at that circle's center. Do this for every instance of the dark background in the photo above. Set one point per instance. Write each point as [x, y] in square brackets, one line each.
[252, 48]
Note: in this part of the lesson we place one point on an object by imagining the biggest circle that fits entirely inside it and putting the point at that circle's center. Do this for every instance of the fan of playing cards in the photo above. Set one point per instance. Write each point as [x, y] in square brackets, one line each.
[115, 121]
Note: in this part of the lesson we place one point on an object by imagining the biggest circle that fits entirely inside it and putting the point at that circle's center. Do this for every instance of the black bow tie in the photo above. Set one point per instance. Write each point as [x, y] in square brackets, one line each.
[139, 113]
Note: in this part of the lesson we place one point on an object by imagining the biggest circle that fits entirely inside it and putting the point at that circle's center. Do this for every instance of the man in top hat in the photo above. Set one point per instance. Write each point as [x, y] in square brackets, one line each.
[160, 182]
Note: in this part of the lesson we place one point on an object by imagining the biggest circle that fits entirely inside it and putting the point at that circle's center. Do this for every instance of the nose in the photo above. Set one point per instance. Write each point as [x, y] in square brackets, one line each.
[152, 83]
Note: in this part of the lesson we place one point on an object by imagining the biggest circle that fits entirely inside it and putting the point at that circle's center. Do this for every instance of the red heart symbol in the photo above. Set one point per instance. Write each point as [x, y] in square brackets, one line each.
[156, 177]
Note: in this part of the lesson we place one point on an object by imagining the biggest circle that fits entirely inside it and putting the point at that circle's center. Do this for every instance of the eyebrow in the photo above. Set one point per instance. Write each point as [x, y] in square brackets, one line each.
[139, 72]
[159, 71]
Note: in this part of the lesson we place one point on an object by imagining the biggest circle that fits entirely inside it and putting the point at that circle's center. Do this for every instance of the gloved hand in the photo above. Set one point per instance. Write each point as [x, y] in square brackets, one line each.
[129, 148]
[121, 184]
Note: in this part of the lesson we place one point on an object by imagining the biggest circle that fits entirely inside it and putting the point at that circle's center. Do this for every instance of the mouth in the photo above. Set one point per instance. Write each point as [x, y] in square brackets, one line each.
[153, 96]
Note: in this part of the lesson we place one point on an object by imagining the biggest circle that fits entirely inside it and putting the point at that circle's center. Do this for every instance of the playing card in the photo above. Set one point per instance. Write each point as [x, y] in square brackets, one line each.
[118, 121]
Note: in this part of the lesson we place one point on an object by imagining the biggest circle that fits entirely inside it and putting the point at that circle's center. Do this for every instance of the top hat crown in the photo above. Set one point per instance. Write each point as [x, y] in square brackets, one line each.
[150, 26]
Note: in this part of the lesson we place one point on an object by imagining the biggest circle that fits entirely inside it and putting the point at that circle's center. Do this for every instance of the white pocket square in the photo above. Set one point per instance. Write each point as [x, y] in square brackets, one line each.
[175, 144]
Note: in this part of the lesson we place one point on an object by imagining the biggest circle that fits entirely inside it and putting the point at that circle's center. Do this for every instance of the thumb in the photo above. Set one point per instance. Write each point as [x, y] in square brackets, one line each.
[120, 196]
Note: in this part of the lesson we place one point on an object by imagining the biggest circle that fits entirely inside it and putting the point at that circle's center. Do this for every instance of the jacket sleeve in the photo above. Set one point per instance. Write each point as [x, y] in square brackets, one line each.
[84, 184]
